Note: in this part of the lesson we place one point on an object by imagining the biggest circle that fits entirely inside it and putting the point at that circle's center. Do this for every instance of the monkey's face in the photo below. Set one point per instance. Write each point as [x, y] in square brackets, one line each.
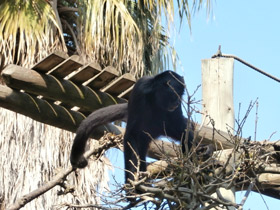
[169, 95]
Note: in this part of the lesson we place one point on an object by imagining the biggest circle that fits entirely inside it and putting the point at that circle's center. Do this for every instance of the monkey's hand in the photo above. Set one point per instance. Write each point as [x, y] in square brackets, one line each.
[78, 161]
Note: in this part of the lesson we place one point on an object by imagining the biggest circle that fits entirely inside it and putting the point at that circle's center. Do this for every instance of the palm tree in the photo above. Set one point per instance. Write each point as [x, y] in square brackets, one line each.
[129, 35]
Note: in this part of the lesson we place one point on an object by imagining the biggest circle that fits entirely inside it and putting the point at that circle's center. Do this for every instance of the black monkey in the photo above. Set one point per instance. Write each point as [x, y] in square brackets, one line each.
[154, 109]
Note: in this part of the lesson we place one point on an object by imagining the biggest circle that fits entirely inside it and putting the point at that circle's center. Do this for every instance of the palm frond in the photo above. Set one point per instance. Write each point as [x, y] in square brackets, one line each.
[28, 31]
[33, 153]
[107, 33]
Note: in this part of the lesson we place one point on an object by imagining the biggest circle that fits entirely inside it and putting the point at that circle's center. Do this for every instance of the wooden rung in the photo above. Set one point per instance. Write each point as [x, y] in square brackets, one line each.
[66, 67]
[85, 73]
[50, 62]
[120, 85]
[126, 94]
[103, 78]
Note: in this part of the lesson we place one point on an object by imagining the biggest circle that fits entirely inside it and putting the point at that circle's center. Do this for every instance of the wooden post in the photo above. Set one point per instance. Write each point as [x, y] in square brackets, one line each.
[217, 100]
[217, 92]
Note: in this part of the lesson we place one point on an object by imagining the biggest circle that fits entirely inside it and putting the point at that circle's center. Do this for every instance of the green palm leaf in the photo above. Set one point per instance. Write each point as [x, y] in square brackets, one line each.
[28, 31]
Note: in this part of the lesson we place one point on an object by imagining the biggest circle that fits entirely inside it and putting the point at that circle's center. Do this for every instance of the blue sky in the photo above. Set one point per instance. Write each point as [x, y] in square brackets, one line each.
[251, 31]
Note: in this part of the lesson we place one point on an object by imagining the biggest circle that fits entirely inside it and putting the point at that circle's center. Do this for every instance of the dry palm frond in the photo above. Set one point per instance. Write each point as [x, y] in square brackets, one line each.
[108, 33]
[31, 154]
[28, 31]
[128, 35]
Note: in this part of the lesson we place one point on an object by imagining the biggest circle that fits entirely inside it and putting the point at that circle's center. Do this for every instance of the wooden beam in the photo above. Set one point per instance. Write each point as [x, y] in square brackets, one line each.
[48, 113]
[57, 89]
[205, 134]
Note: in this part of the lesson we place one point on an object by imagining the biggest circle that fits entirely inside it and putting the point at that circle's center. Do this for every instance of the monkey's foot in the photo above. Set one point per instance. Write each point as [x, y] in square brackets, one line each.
[78, 162]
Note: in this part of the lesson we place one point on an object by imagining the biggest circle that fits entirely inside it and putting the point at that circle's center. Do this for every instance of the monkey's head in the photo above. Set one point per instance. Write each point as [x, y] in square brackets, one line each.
[169, 89]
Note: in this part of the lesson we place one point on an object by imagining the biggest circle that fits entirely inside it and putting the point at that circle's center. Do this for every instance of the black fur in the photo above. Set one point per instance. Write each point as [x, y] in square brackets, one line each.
[153, 110]
[95, 119]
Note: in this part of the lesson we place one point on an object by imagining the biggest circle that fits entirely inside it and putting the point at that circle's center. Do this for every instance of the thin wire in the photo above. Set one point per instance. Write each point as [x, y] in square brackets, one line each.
[219, 54]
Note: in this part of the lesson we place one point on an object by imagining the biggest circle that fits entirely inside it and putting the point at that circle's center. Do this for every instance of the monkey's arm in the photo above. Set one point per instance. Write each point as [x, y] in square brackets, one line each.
[95, 119]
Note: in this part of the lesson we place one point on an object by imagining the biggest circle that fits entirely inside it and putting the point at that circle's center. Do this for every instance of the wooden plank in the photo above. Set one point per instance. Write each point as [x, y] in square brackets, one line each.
[85, 73]
[66, 67]
[126, 93]
[48, 113]
[120, 85]
[50, 62]
[57, 89]
[102, 79]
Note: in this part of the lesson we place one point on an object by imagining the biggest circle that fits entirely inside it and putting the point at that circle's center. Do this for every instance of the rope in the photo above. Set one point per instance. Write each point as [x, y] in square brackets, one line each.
[219, 54]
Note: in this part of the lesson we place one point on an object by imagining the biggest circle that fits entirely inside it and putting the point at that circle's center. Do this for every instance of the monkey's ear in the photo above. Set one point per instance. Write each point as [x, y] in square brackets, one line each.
[168, 75]
[163, 75]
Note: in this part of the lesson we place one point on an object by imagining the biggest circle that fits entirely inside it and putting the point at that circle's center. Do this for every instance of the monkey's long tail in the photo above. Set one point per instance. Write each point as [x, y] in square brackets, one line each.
[99, 117]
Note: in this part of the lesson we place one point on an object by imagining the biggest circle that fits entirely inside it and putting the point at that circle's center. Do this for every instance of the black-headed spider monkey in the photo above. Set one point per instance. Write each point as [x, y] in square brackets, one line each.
[154, 109]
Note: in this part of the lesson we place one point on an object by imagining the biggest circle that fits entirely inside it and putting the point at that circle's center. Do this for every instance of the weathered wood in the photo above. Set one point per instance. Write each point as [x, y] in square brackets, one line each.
[217, 92]
[269, 179]
[103, 78]
[217, 100]
[50, 62]
[208, 135]
[42, 111]
[57, 89]
[126, 93]
[66, 67]
[119, 85]
[85, 73]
